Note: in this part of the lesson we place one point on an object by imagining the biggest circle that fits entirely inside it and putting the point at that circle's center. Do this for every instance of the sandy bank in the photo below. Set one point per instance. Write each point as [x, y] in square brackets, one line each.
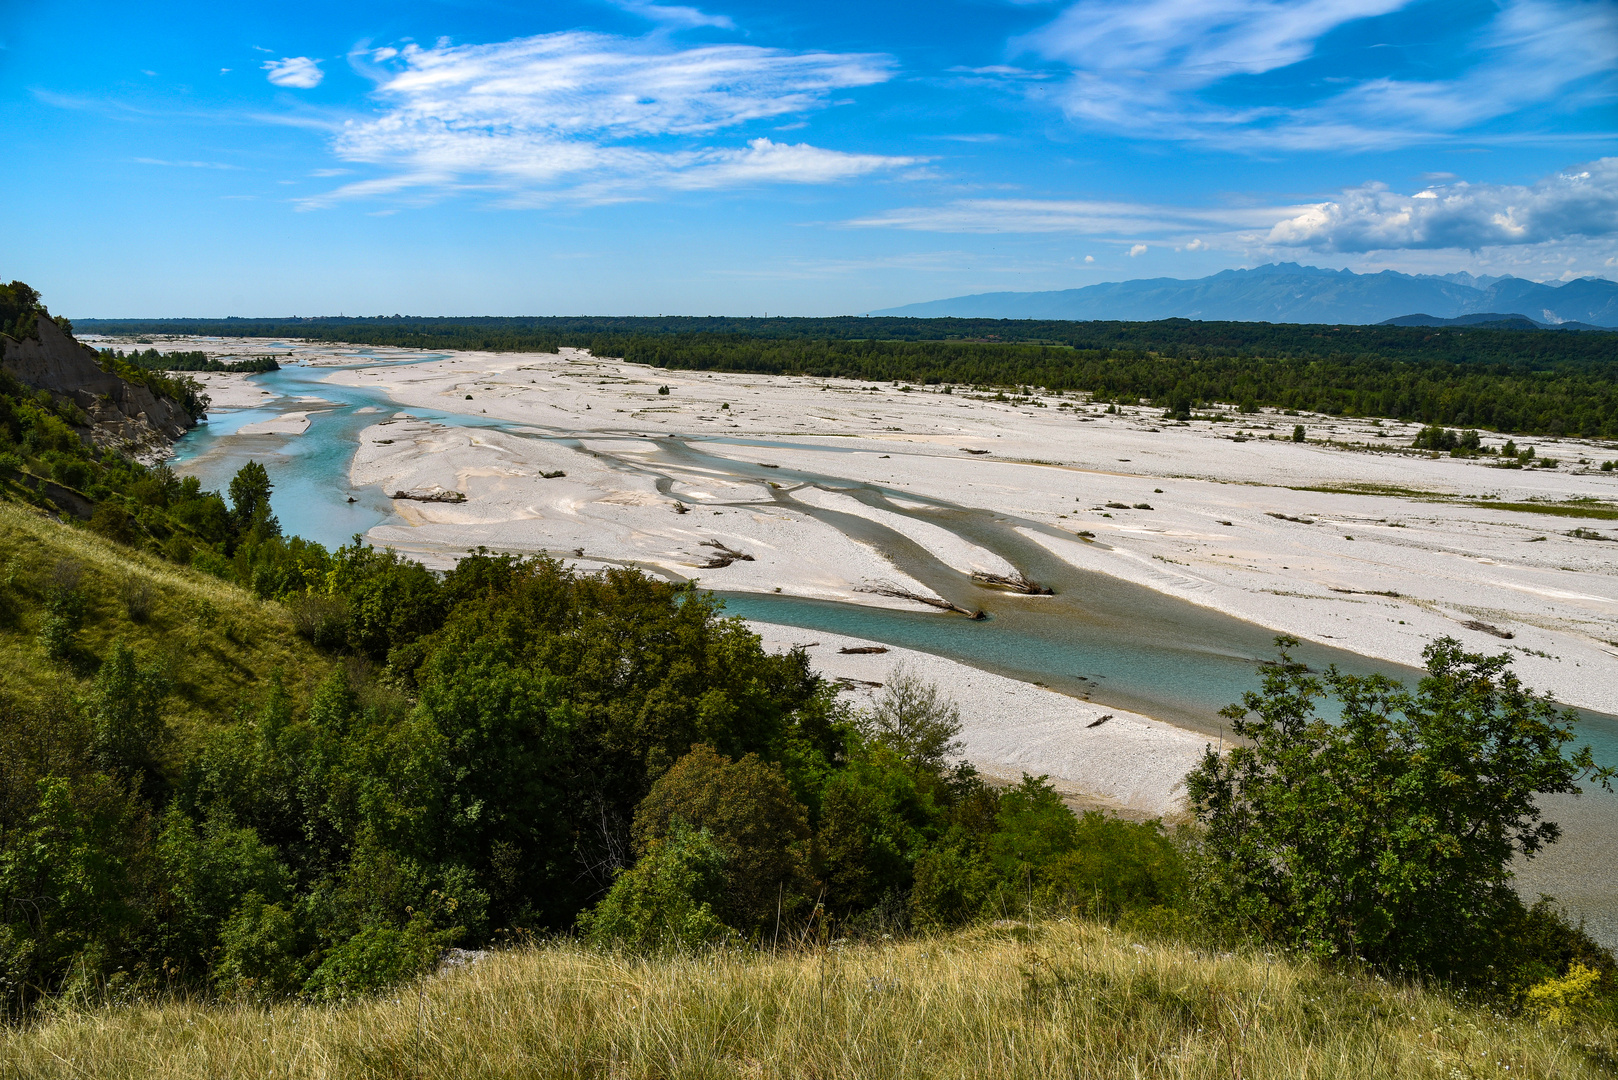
[1130, 764]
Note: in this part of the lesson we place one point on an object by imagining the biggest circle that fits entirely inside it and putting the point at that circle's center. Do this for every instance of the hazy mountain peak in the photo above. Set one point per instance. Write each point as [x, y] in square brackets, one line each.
[1289, 292]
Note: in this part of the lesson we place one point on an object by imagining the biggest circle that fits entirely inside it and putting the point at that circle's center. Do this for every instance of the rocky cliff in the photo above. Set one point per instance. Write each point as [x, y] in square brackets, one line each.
[122, 415]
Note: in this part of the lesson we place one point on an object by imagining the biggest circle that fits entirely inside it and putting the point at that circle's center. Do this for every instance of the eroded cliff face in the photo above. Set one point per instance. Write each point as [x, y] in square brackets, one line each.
[123, 416]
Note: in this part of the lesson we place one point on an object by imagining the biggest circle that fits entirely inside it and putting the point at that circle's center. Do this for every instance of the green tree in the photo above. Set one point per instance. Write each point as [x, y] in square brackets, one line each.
[125, 711]
[1387, 834]
[250, 502]
[667, 899]
[915, 720]
[747, 808]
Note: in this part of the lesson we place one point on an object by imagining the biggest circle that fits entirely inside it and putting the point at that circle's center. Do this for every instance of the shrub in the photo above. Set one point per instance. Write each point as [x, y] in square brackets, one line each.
[1298, 434]
[125, 713]
[667, 899]
[1557, 1000]
[377, 957]
[320, 618]
[747, 810]
[65, 608]
[113, 522]
[259, 952]
[136, 594]
[1389, 834]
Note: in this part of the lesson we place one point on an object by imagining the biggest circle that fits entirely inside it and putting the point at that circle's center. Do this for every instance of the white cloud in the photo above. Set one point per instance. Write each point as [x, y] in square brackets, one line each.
[186, 164]
[675, 15]
[1087, 217]
[1520, 229]
[598, 117]
[1142, 66]
[1138, 249]
[1578, 202]
[1089, 258]
[298, 72]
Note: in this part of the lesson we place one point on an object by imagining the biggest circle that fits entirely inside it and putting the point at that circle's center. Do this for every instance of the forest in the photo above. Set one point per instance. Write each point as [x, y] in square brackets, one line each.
[1511, 381]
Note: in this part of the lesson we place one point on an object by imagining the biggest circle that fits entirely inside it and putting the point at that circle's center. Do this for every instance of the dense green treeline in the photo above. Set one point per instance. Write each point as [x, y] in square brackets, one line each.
[152, 360]
[1548, 382]
[1187, 338]
[1566, 399]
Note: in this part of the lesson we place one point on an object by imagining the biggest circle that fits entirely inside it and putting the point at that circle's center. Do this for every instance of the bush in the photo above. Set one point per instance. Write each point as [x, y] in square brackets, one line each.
[259, 953]
[136, 594]
[65, 609]
[320, 619]
[1298, 434]
[915, 720]
[746, 808]
[1387, 835]
[667, 899]
[377, 957]
[114, 522]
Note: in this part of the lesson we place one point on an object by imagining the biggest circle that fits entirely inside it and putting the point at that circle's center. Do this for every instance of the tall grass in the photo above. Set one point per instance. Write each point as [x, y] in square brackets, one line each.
[218, 642]
[1067, 999]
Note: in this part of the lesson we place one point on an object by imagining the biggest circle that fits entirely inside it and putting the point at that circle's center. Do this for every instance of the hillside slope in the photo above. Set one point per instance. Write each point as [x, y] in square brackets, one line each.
[219, 644]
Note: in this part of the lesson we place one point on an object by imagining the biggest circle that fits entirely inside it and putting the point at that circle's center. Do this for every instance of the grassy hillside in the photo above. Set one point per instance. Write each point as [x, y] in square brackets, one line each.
[1068, 999]
[216, 641]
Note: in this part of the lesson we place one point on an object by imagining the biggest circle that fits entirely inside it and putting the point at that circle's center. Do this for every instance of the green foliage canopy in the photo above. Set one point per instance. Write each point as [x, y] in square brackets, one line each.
[1388, 834]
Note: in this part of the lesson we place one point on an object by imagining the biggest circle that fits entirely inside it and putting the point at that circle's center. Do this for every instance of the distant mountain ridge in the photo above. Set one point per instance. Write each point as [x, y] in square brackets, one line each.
[1290, 293]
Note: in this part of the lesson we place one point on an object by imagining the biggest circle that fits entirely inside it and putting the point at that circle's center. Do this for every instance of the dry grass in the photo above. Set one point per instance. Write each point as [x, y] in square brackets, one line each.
[1068, 1000]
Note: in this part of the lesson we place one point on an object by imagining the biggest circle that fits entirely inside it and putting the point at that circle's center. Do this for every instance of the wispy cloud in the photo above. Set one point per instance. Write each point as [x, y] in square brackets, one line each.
[297, 72]
[595, 116]
[1076, 216]
[186, 164]
[676, 15]
[1170, 69]
[1578, 202]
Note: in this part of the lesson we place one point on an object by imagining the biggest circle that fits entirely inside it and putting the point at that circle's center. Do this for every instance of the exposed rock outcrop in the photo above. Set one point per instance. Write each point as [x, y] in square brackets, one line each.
[123, 416]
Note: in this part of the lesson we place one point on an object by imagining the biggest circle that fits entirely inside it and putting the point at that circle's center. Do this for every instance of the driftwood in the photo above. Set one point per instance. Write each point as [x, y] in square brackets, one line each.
[723, 556]
[969, 450]
[861, 650]
[431, 496]
[1098, 723]
[931, 601]
[1018, 583]
[1473, 624]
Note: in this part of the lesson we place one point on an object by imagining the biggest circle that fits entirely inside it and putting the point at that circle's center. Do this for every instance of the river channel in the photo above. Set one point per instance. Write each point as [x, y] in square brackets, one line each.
[1098, 638]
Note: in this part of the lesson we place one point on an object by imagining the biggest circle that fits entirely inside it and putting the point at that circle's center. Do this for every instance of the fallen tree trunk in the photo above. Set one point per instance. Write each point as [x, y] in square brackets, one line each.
[883, 589]
[431, 496]
[1015, 584]
[724, 557]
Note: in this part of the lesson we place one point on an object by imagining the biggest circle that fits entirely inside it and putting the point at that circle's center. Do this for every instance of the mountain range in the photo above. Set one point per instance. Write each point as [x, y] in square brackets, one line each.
[1290, 293]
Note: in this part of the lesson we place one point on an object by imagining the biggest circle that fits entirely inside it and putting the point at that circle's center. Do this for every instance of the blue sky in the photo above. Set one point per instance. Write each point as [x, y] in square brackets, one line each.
[633, 157]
